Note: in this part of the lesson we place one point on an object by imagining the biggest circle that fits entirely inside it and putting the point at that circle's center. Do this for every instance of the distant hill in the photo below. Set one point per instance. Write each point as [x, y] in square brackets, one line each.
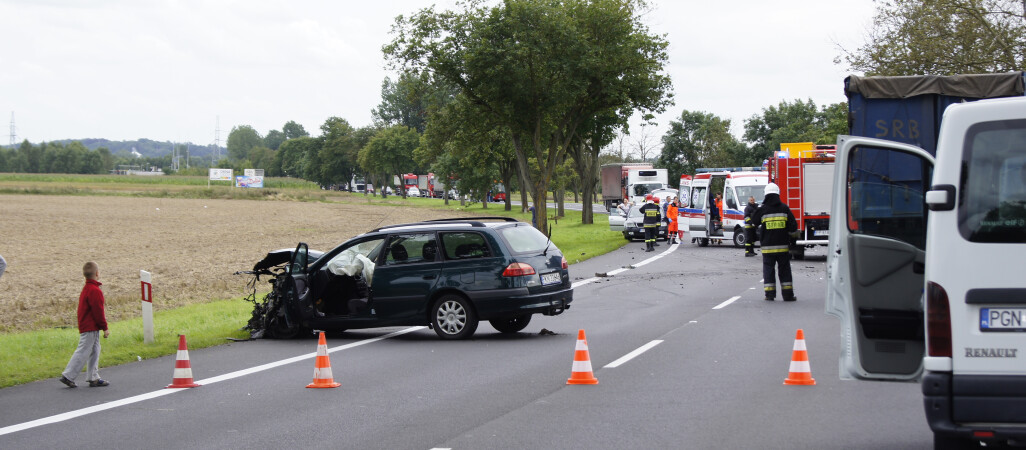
[145, 147]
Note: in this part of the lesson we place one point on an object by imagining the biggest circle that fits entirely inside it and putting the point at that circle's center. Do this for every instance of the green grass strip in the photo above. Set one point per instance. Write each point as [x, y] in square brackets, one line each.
[43, 354]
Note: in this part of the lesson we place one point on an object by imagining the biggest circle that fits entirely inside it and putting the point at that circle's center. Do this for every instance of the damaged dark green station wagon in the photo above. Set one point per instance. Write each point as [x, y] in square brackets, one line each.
[447, 274]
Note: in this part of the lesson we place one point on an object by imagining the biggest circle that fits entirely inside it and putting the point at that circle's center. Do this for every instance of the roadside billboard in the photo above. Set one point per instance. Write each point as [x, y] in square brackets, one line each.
[249, 182]
[221, 174]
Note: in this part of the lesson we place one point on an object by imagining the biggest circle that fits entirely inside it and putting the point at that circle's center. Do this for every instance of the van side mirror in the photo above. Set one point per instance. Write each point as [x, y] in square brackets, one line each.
[941, 198]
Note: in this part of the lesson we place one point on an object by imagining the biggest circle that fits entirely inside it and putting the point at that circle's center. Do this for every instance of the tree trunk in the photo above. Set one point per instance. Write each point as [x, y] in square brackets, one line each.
[560, 199]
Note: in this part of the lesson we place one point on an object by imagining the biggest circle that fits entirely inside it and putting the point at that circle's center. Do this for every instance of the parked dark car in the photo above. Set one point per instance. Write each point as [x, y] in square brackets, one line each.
[446, 274]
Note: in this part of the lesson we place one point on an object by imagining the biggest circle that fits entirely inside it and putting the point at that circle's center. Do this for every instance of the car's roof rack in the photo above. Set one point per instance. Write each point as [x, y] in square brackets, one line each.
[472, 221]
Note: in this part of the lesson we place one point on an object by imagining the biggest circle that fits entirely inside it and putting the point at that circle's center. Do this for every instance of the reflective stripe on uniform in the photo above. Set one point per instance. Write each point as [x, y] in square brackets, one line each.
[774, 249]
[786, 285]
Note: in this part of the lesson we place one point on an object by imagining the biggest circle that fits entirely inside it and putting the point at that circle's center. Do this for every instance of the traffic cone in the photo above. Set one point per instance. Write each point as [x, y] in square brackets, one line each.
[182, 377]
[801, 372]
[581, 373]
[322, 367]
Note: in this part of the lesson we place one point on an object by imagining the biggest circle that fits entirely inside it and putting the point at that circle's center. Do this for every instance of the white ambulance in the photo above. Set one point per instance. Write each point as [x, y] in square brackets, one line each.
[696, 196]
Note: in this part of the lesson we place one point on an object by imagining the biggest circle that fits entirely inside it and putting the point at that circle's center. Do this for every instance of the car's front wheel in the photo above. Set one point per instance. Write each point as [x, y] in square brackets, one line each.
[453, 317]
[512, 324]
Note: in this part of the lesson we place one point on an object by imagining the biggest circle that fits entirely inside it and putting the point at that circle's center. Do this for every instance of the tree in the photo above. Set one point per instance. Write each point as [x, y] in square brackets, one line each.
[293, 130]
[793, 122]
[294, 156]
[698, 139]
[339, 152]
[942, 37]
[390, 153]
[404, 101]
[540, 69]
[595, 134]
[261, 157]
[241, 140]
[274, 139]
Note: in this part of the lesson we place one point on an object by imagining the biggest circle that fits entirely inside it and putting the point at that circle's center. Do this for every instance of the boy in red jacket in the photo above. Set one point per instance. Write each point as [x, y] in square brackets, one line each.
[91, 320]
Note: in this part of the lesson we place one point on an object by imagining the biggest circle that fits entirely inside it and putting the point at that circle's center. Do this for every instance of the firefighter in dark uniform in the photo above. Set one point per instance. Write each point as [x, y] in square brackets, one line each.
[777, 224]
[750, 227]
[651, 223]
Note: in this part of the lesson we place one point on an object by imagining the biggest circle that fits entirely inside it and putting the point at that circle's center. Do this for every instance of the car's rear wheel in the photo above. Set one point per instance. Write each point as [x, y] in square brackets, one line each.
[703, 242]
[512, 324]
[453, 317]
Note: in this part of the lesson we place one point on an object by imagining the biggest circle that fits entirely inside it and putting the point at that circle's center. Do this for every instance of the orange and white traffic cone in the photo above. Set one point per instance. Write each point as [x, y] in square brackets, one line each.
[581, 372]
[182, 377]
[800, 372]
[322, 367]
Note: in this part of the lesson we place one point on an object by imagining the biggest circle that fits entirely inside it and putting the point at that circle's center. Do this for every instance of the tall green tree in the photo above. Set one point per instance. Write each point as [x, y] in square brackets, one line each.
[338, 153]
[293, 130]
[539, 68]
[942, 37]
[295, 160]
[799, 121]
[698, 139]
[241, 140]
[274, 139]
[390, 153]
[404, 101]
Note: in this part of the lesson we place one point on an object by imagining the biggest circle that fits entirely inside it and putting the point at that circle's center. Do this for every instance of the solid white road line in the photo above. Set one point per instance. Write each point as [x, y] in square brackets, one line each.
[138, 398]
[585, 281]
[731, 300]
[631, 355]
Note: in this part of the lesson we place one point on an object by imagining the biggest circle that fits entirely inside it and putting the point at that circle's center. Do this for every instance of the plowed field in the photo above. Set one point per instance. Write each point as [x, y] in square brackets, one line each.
[191, 247]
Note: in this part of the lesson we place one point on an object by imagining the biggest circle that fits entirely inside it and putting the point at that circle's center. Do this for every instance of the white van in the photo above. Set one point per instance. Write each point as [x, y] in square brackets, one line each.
[910, 234]
[696, 196]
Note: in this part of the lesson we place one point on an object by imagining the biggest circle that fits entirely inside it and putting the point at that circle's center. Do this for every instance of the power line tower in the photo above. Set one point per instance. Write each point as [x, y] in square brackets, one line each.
[216, 154]
[14, 136]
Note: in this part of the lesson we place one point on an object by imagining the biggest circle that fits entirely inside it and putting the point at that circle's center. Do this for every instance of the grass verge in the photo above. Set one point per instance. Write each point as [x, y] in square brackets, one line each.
[43, 354]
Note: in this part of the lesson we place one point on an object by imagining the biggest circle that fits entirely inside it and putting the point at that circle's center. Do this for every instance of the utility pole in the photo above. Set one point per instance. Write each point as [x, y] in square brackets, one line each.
[14, 137]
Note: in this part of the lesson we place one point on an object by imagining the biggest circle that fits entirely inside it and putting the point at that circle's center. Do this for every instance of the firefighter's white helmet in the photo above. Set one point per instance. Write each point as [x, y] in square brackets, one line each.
[772, 188]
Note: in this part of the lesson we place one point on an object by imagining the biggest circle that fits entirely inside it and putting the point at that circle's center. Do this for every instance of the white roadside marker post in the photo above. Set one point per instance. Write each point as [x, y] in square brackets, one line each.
[147, 306]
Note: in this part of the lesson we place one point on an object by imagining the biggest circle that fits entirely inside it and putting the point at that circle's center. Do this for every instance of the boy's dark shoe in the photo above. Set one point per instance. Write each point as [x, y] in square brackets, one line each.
[98, 383]
[67, 382]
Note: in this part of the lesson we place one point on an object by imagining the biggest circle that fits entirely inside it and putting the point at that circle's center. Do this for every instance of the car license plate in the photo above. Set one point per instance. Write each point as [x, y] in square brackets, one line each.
[822, 233]
[1003, 319]
[551, 278]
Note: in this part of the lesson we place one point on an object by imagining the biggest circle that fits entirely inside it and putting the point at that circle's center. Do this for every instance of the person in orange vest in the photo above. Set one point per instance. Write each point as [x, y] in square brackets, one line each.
[719, 207]
[671, 229]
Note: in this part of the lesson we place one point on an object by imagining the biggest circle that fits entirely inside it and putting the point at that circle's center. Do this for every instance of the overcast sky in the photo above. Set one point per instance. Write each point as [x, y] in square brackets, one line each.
[167, 70]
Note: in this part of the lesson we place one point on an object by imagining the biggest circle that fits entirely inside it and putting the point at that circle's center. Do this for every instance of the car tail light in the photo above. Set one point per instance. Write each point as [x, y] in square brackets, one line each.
[518, 270]
[938, 321]
[564, 264]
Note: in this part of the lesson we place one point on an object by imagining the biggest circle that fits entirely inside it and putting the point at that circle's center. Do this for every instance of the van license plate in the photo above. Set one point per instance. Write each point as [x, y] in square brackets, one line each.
[1003, 319]
[821, 233]
[551, 278]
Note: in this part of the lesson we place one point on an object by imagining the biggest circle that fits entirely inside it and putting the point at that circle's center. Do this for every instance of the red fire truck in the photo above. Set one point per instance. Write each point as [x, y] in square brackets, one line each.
[804, 172]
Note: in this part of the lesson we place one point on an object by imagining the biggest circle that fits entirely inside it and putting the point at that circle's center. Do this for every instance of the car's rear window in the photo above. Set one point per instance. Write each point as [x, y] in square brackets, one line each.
[992, 195]
[524, 238]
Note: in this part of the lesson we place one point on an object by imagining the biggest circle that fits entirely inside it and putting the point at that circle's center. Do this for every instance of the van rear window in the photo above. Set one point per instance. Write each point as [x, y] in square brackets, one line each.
[992, 194]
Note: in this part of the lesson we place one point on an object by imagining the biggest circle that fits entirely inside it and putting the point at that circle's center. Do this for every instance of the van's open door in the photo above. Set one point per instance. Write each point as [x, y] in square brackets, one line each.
[875, 264]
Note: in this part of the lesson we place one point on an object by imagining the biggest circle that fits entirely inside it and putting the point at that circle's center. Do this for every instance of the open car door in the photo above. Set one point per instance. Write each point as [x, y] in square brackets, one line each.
[298, 308]
[875, 263]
